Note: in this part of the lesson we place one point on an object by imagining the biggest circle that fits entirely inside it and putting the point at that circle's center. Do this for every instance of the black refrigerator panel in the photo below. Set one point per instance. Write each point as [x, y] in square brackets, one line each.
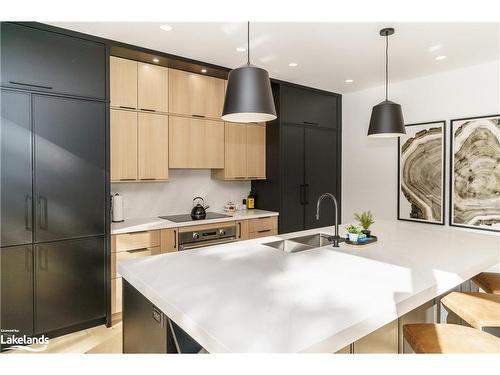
[308, 107]
[16, 284]
[292, 168]
[69, 283]
[16, 187]
[69, 151]
[320, 175]
[39, 60]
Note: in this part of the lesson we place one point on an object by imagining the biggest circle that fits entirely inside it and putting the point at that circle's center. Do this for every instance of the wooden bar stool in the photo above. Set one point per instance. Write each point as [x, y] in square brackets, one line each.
[488, 281]
[479, 310]
[449, 338]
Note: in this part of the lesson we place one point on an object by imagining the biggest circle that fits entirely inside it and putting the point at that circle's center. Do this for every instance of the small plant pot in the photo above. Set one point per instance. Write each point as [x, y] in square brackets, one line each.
[353, 237]
[367, 232]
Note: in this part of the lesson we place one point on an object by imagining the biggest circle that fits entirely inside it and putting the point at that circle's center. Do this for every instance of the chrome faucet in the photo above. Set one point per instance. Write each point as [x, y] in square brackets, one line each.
[336, 239]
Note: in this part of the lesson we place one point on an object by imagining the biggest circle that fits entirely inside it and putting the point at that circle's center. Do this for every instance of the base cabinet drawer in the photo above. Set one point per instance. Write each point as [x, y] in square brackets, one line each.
[136, 240]
[265, 223]
[131, 254]
[263, 233]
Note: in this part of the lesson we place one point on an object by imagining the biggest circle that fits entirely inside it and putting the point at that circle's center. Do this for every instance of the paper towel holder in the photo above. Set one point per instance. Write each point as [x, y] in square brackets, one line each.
[116, 208]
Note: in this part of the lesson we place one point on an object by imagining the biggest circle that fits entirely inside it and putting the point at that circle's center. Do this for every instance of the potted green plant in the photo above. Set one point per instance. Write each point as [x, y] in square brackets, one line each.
[365, 219]
[353, 232]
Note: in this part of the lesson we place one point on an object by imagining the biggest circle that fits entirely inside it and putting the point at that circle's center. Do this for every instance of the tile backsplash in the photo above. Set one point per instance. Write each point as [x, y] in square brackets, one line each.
[150, 199]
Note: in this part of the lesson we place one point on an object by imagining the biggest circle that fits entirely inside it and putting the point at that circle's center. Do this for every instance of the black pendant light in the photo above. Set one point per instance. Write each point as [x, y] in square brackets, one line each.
[248, 95]
[387, 117]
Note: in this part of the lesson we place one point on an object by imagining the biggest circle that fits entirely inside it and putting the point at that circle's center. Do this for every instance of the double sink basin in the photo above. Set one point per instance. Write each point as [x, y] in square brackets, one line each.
[302, 243]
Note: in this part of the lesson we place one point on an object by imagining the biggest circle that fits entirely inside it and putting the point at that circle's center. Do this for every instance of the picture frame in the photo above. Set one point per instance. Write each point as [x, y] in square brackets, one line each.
[473, 182]
[422, 161]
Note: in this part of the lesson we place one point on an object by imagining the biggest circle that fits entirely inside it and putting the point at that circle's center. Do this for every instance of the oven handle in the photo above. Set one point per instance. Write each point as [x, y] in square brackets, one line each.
[206, 243]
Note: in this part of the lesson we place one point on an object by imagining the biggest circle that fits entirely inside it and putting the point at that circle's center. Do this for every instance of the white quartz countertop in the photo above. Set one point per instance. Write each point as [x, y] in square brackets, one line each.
[152, 223]
[248, 297]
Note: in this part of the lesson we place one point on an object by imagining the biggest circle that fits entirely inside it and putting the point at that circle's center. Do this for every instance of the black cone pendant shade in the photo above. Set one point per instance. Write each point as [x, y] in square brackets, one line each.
[248, 95]
[387, 117]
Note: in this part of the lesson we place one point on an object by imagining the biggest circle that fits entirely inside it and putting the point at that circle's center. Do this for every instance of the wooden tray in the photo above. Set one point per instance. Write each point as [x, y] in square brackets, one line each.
[368, 242]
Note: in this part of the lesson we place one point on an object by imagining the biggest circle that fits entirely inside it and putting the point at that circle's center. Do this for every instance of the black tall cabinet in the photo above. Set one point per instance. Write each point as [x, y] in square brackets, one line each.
[303, 157]
[54, 162]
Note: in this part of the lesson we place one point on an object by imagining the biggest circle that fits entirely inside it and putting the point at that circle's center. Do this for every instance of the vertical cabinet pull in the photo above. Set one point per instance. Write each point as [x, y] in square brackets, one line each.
[43, 258]
[239, 229]
[27, 212]
[306, 194]
[302, 194]
[175, 239]
[42, 213]
[28, 259]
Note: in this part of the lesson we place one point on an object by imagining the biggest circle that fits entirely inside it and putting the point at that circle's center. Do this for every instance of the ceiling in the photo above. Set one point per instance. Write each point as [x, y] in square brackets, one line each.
[326, 53]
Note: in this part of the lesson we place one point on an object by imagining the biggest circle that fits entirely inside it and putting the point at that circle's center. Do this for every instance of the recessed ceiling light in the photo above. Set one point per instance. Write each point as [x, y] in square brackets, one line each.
[442, 57]
[241, 49]
[349, 81]
[155, 60]
[293, 64]
[166, 27]
[435, 48]
[203, 70]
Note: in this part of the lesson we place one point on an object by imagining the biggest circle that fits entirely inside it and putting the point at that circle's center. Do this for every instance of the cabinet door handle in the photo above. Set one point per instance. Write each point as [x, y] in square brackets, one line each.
[147, 110]
[28, 259]
[240, 177]
[310, 123]
[43, 261]
[42, 218]
[306, 194]
[199, 116]
[31, 85]
[148, 179]
[126, 107]
[263, 230]
[239, 229]
[302, 194]
[127, 179]
[28, 203]
[175, 239]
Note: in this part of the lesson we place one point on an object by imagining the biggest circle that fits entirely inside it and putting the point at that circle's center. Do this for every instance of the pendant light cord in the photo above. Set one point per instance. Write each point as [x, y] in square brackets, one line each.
[386, 65]
[248, 42]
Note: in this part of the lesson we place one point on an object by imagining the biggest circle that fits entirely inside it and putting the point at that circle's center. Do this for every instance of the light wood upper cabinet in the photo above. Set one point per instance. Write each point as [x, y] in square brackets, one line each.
[195, 143]
[244, 152]
[256, 151]
[153, 146]
[123, 134]
[152, 87]
[235, 150]
[123, 83]
[193, 94]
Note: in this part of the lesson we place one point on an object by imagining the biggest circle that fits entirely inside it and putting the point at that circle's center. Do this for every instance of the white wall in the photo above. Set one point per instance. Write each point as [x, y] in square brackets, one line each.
[369, 166]
[150, 199]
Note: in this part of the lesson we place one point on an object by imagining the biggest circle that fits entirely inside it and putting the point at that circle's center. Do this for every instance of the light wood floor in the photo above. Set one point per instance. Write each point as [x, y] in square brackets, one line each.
[96, 340]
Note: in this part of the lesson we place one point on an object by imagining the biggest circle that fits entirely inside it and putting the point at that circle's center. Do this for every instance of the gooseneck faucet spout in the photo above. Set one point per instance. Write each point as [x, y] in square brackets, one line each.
[318, 204]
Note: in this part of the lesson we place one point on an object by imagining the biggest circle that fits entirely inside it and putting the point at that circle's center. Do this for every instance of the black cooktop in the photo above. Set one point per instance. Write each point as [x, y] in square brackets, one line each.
[187, 217]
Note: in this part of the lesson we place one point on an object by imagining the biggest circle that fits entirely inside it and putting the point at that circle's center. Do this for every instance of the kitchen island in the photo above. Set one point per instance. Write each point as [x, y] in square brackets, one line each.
[250, 297]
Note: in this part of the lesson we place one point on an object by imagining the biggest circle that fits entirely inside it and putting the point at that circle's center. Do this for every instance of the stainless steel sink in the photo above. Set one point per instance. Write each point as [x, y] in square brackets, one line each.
[289, 246]
[296, 244]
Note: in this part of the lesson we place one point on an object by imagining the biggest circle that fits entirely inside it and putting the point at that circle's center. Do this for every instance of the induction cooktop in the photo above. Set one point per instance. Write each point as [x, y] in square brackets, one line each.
[187, 217]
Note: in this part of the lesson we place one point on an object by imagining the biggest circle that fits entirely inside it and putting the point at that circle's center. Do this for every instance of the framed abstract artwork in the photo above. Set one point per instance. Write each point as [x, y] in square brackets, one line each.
[421, 170]
[475, 173]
